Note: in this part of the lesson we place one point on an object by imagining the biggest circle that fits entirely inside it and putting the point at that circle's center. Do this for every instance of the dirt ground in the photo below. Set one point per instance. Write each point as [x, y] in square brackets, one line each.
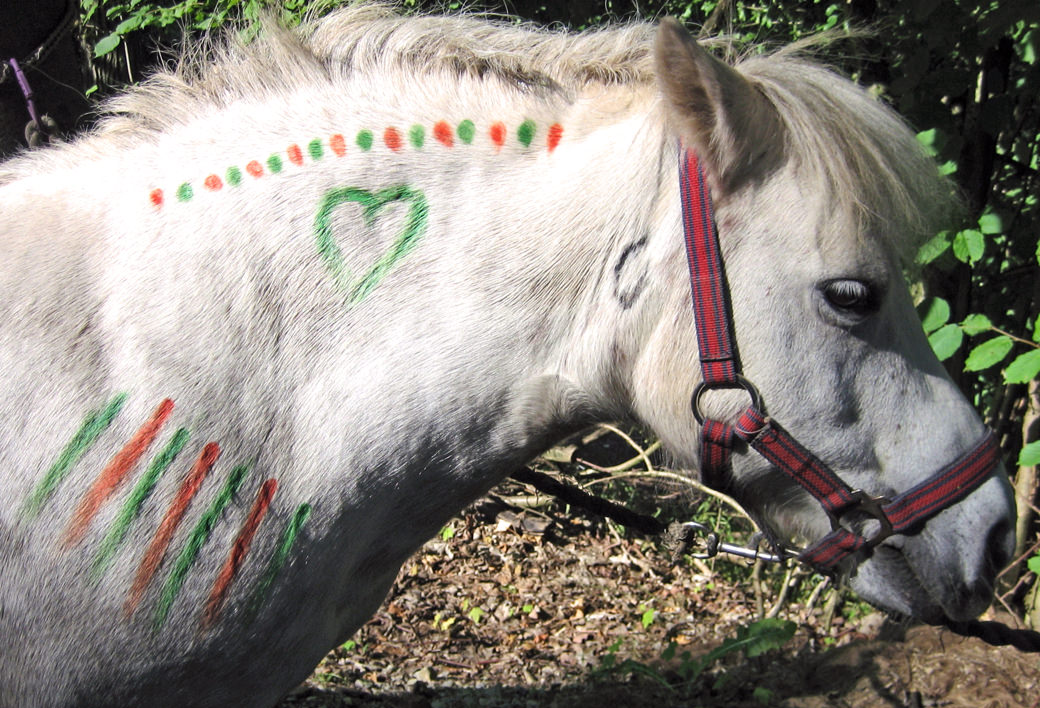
[557, 610]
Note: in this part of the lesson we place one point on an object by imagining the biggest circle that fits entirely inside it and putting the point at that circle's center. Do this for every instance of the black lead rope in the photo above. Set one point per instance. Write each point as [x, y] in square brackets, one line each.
[568, 494]
[993, 633]
[997, 634]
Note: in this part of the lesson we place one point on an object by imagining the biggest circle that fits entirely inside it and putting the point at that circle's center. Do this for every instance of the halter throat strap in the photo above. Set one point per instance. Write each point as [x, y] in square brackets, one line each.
[720, 369]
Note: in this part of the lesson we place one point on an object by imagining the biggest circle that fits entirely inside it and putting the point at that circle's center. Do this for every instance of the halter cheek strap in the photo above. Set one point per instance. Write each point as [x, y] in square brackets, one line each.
[720, 369]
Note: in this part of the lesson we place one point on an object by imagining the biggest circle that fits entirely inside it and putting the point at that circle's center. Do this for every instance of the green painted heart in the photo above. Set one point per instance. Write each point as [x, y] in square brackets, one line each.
[357, 287]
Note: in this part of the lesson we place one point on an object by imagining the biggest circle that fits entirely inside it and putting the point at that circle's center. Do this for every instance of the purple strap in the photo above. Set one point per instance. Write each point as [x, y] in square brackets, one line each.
[23, 83]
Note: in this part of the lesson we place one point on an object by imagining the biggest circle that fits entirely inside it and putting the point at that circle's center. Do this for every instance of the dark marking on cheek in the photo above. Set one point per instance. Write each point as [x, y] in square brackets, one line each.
[629, 285]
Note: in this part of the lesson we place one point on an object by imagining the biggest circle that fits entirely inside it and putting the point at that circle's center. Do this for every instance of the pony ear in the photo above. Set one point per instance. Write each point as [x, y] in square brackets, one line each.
[732, 126]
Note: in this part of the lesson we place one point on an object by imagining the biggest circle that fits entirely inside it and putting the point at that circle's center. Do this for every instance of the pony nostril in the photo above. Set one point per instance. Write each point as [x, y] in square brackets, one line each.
[1000, 545]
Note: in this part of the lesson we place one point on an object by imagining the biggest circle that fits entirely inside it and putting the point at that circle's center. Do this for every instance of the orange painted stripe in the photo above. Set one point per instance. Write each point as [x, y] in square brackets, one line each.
[114, 474]
[164, 534]
[238, 553]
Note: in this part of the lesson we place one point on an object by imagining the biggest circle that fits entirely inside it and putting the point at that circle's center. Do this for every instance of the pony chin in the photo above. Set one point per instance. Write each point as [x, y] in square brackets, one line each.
[887, 580]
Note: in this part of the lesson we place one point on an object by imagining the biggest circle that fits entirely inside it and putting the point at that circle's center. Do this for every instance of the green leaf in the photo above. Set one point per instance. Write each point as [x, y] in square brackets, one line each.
[990, 223]
[763, 695]
[934, 312]
[968, 245]
[1034, 564]
[1025, 367]
[946, 341]
[129, 24]
[928, 140]
[976, 324]
[990, 352]
[106, 45]
[933, 248]
[765, 635]
[1030, 455]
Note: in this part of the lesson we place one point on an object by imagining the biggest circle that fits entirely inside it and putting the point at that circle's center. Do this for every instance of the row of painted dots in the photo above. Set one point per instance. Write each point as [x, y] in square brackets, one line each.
[365, 139]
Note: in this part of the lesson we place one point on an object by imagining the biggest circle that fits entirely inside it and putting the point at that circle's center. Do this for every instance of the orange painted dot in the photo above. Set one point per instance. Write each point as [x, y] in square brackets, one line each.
[338, 145]
[213, 183]
[295, 154]
[255, 169]
[392, 138]
[444, 134]
[156, 197]
[555, 134]
[498, 134]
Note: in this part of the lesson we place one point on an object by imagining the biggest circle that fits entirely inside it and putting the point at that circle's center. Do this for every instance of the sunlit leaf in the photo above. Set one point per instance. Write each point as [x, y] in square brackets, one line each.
[946, 341]
[933, 248]
[1024, 367]
[106, 45]
[927, 139]
[990, 223]
[934, 312]
[969, 245]
[976, 324]
[1030, 455]
[990, 352]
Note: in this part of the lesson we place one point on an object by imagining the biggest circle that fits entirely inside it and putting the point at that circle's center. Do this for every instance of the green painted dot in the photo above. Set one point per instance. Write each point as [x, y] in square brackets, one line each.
[364, 139]
[274, 163]
[525, 133]
[185, 192]
[417, 135]
[466, 131]
[315, 149]
[233, 176]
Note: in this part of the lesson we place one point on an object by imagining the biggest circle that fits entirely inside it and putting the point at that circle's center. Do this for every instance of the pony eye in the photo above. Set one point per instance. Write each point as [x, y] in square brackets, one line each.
[853, 297]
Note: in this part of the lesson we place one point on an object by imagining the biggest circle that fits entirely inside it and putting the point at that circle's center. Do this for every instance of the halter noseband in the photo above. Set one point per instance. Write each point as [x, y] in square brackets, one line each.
[720, 369]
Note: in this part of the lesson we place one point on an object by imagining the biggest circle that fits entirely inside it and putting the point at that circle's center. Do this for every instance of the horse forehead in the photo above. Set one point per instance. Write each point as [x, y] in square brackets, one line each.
[790, 220]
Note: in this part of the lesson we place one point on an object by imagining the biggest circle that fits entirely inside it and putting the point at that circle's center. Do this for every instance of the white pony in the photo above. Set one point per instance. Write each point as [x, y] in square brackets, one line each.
[289, 309]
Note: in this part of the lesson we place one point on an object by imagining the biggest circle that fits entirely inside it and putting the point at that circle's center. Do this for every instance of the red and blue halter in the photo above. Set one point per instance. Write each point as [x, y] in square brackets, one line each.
[720, 369]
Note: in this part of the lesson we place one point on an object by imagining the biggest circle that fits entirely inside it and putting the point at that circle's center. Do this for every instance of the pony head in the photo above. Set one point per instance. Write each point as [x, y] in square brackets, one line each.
[821, 196]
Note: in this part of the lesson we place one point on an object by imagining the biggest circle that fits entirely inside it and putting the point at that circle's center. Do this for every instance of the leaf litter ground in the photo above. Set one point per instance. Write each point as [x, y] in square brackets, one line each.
[506, 609]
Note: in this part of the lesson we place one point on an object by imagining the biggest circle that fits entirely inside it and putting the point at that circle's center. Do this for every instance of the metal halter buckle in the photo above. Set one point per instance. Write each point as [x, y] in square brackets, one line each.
[871, 507]
[738, 382]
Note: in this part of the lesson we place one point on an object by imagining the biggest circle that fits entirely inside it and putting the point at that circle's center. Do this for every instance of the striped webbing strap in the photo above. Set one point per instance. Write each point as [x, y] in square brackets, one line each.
[720, 368]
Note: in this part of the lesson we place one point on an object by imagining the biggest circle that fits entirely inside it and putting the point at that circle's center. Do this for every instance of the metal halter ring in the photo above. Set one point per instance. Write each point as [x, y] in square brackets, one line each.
[738, 382]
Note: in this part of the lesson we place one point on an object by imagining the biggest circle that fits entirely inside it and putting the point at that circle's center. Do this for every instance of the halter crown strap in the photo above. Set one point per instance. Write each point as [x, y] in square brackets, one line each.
[720, 368]
[707, 278]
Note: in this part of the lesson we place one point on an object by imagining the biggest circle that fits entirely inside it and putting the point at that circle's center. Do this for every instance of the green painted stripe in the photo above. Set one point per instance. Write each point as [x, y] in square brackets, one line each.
[364, 139]
[274, 163]
[199, 535]
[315, 149]
[234, 176]
[281, 554]
[93, 425]
[132, 507]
